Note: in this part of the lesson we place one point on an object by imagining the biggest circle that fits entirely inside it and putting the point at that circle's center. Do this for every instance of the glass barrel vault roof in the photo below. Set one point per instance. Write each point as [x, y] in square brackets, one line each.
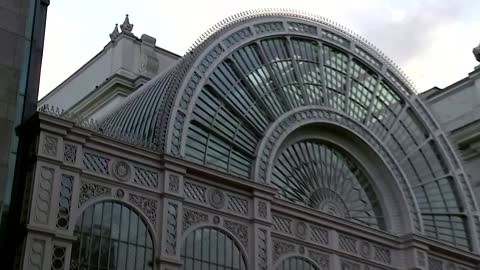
[217, 104]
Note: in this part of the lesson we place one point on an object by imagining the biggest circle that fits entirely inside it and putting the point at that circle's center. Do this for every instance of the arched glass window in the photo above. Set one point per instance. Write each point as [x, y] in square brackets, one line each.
[318, 175]
[296, 263]
[111, 236]
[208, 248]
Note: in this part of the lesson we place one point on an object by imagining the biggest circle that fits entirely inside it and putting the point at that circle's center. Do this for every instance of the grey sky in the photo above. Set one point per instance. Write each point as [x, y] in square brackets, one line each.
[431, 40]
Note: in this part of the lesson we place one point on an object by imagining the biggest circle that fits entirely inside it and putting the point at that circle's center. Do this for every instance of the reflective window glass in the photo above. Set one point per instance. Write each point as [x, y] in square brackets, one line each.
[109, 235]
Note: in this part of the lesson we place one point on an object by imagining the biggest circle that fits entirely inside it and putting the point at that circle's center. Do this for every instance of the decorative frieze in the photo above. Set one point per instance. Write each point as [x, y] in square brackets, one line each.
[145, 177]
[146, 205]
[434, 263]
[96, 163]
[382, 254]
[319, 235]
[237, 205]
[91, 190]
[194, 192]
[44, 195]
[192, 217]
[347, 243]
[239, 230]
[282, 224]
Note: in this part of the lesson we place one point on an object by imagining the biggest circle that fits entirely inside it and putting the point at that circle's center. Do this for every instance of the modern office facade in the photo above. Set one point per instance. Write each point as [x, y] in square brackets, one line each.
[22, 30]
[279, 141]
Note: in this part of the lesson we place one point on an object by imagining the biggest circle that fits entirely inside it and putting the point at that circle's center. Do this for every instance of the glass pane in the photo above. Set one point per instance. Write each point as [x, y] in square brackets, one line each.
[208, 248]
[111, 236]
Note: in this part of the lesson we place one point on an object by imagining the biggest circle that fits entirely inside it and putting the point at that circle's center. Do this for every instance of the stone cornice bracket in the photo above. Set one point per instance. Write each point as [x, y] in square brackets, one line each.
[476, 52]
[115, 33]
[126, 26]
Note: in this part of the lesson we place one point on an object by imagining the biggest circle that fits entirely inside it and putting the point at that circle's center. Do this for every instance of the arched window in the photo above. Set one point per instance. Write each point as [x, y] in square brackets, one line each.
[296, 263]
[110, 235]
[209, 248]
[319, 175]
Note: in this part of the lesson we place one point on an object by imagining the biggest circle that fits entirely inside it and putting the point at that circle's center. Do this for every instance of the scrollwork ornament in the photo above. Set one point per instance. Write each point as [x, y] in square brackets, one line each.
[280, 248]
[91, 190]
[173, 183]
[191, 217]
[322, 260]
[239, 230]
[148, 206]
[216, 198]
[262, 209]
[50, 145]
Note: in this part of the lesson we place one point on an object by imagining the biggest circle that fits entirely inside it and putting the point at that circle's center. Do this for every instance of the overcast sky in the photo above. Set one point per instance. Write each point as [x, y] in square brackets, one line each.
[431, 40]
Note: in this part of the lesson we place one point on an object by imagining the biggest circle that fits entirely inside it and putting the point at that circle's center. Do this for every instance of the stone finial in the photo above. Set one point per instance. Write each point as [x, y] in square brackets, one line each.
[114, 33]
[476, 52]
[126, 26]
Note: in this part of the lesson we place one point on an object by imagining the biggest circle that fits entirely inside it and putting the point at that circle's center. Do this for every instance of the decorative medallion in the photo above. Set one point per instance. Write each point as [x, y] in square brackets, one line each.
[300, 229]
[216, 198]
[120, 193]
[301, 250]
[365, 249]
[121, 170]
[216, 220]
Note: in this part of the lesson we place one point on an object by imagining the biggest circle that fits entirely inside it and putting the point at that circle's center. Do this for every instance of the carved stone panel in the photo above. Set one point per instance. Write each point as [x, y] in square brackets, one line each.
[239, 230]
[173, 183]
[44, 196]
[192, 217]
[262, 255]
[69, 153]
[91, 190]
[322, 260]
[171, 232]
[50, 145]
[280, 248]
[36, 255]
[148, 206]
